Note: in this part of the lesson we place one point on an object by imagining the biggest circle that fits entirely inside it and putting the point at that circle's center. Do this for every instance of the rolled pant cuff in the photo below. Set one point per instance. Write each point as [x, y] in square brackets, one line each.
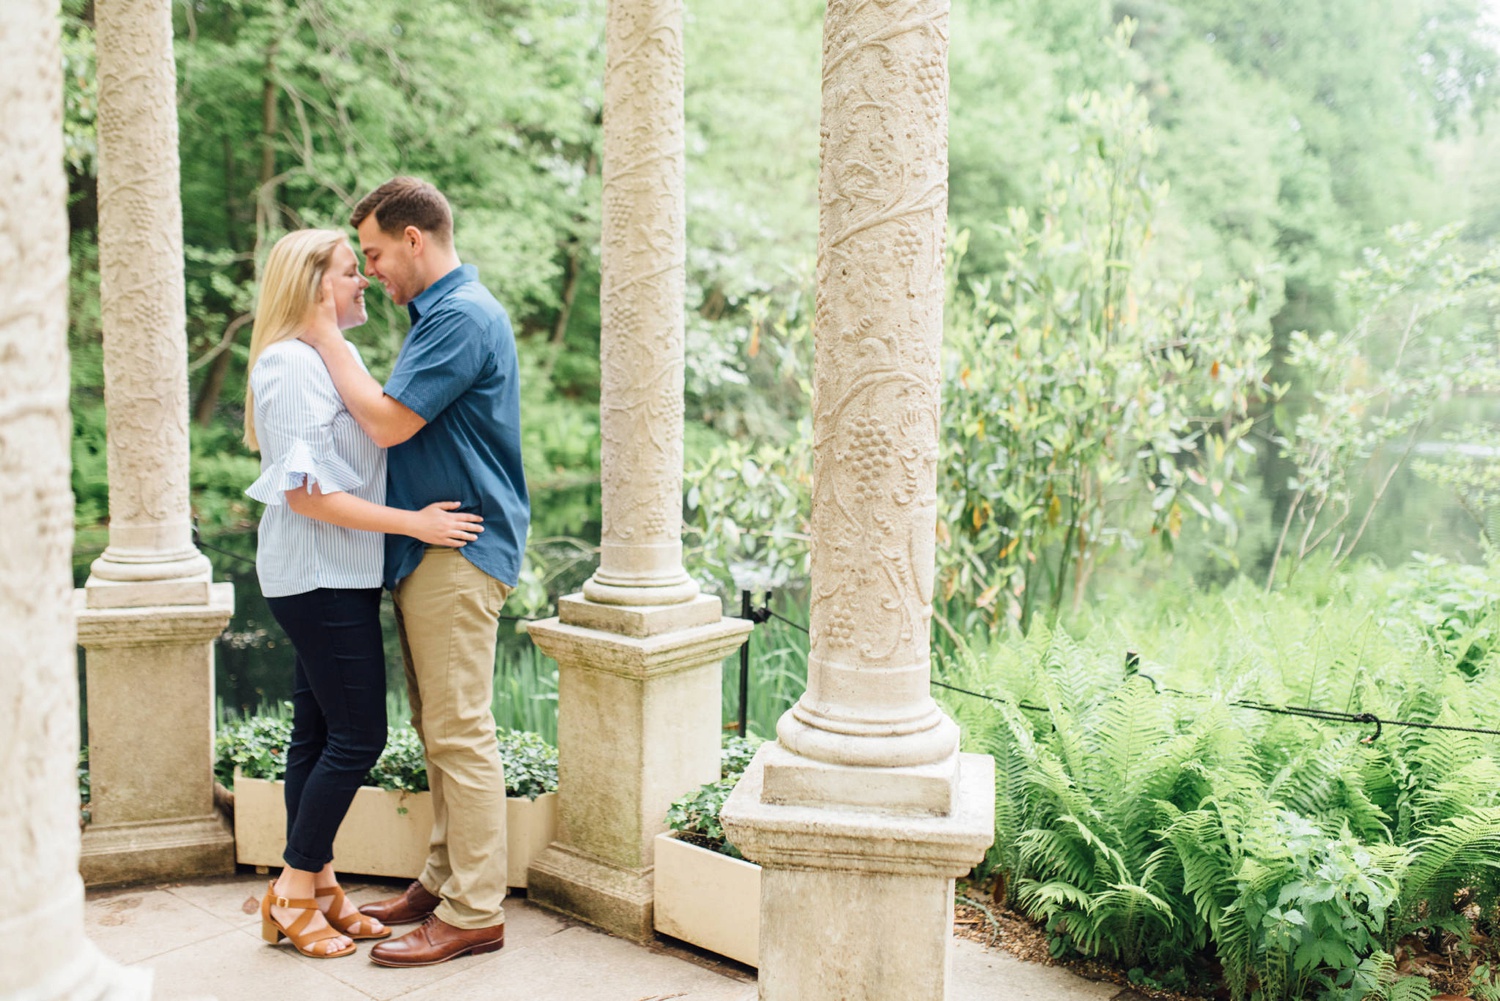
[304, 862]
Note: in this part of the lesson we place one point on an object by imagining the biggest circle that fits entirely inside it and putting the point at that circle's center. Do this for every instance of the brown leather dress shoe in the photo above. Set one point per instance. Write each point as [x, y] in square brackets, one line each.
[436, 941]
[414, 904]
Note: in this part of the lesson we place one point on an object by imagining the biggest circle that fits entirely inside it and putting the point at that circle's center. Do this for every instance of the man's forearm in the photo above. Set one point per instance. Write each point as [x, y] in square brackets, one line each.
[375, 412]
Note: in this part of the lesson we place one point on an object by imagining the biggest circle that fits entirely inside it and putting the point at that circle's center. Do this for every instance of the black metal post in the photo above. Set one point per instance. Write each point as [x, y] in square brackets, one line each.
[745, 611]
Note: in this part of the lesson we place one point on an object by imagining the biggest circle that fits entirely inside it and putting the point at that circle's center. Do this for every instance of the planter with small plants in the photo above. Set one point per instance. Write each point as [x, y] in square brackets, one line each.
[706, 893]
[386, 830]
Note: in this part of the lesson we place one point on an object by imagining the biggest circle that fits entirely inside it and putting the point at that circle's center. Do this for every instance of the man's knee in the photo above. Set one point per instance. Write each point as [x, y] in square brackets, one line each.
[468, 745]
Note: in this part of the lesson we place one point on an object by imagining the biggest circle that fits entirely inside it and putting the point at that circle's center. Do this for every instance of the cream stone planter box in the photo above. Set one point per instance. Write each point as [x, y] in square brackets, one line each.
[385, 832]
[708, 899]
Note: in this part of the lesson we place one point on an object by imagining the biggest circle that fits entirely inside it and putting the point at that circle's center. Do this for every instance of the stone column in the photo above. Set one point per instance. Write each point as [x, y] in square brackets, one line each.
[43, 952]
[149, 611]
[864, 798]
[639, 651]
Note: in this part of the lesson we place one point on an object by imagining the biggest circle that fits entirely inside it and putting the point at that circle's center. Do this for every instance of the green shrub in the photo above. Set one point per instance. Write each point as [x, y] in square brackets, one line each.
[403, 763]
[695, 817]
[257, 746]
[530, 764]
[1154, 819]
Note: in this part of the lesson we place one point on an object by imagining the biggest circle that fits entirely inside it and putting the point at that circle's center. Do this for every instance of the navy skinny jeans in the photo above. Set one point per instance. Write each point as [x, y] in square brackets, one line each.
[338, 712]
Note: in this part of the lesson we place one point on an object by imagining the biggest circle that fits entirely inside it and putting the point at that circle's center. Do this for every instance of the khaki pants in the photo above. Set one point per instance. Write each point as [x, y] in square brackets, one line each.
[447, 612]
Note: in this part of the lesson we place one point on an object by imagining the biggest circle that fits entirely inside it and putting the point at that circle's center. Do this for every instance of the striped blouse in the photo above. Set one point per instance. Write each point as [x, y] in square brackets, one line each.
[308, 436]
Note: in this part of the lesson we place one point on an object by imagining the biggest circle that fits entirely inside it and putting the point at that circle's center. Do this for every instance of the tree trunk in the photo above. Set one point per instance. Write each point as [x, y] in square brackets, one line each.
[267, 217]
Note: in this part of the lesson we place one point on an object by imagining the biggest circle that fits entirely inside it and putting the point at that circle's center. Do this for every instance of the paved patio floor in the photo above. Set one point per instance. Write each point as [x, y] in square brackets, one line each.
[202, 940]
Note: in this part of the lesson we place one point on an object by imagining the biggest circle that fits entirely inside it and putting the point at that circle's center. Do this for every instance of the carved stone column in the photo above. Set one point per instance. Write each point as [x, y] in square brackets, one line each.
[149, 611]
[639, 651]
[43, 952]
[864, 798]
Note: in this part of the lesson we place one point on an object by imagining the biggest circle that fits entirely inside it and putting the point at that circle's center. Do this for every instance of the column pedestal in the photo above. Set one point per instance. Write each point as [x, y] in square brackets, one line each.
[150, 674]
[891, 874]
[51, 940]
[638, 725]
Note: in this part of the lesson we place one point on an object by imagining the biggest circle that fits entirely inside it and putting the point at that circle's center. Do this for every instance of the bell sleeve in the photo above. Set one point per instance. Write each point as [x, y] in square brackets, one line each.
[295, 404]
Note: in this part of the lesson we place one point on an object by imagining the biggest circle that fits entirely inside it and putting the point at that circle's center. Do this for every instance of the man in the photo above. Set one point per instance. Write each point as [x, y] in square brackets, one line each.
[450, 416]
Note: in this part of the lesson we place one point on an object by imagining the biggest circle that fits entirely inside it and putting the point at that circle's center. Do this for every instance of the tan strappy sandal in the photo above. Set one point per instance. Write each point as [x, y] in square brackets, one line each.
[273, 931]
[356, 926]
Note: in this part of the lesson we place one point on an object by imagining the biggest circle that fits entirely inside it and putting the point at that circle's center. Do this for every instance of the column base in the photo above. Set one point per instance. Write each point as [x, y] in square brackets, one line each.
[91, 976]
[639, 620]
[892, 874]
[156, 851]
[160, 579]
[46, 956]
[638, 725]
[793, 780]
[611, 897]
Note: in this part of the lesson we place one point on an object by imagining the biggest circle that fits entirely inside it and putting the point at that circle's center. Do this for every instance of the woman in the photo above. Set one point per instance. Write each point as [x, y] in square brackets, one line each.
[319, 562]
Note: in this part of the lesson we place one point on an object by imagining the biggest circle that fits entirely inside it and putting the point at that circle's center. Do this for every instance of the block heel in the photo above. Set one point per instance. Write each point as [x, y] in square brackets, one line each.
[303, 940]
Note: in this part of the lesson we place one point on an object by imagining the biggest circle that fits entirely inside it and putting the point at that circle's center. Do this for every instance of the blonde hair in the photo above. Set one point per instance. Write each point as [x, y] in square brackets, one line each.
[289, 290]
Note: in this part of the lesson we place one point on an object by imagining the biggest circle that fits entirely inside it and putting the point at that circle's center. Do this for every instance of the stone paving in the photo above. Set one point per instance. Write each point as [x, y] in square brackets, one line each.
[202, 940]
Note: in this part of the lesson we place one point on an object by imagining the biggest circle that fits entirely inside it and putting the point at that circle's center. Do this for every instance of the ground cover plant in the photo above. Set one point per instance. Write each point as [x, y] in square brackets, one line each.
[1146, 816]
[695, 816]
[256, 746]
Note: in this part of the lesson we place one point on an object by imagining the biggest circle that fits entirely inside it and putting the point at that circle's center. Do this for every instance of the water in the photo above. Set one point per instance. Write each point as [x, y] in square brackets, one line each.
[254, 660]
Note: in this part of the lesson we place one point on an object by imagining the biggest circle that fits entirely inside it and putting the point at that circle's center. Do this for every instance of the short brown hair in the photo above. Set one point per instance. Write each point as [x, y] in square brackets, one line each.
[406, 201]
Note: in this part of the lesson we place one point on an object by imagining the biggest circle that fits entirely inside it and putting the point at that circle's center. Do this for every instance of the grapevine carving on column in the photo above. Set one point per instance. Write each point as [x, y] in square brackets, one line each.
[641, 344]
[141, 291]
[883, 190]
[38, 690]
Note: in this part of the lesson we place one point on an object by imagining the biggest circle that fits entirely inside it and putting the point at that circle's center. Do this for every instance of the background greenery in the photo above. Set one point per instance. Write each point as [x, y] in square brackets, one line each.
[1220, 384]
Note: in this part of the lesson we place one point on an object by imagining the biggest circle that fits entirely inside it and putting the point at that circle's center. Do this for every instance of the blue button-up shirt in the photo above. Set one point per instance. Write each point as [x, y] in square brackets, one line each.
[457, 370]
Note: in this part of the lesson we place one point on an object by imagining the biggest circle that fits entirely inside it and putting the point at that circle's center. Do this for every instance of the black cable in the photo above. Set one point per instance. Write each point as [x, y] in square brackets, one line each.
[222, 552]
[783, 618]
[988, 698]
[1305, 712]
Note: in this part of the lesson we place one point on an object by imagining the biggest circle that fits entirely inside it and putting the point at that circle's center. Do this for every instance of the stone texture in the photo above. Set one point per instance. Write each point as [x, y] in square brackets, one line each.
[883, 205]
[864, 799]
[43, 952]
[890, 938]
[150, 677]
[543, 959]
[141, 305]
[637, 726]
[639, 620]
[642, 276]
[984, 973]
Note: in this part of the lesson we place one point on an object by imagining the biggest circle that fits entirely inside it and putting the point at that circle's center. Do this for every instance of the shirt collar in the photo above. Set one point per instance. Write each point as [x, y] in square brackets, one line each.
[434, 293]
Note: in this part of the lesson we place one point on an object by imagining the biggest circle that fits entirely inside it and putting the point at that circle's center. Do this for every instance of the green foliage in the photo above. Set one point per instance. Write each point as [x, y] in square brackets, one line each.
[403, 763]
[747, 514]
[1147, 819]
[1423, 332]
[1465, 468]
[695, 817]
[1088, 405]
[525, 691]
[1457, 607]
[256, 746]
[530, 764]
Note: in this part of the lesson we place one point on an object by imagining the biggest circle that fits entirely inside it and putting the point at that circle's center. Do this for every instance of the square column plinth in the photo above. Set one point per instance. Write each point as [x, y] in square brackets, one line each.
[638, 725]
[150, 673]
[890, 936]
